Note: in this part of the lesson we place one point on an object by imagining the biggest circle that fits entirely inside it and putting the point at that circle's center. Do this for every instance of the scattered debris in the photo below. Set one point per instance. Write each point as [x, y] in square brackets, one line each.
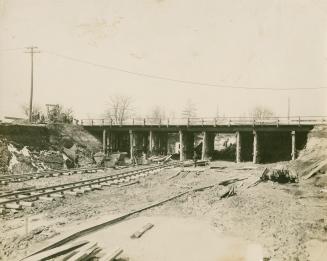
[140, 232]
[218, 167]
[316, 169]
[120, 167]
[99, 158]
[160, 159]
[115, 220]
[175, 175]
[230, 181]
[202, 162]
[231, 191]
[129, 184]
[279, 174]
[247, 168]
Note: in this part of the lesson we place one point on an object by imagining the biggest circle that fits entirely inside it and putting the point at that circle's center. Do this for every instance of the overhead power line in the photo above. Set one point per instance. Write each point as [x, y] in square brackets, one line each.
[158, 77]
[11, 49]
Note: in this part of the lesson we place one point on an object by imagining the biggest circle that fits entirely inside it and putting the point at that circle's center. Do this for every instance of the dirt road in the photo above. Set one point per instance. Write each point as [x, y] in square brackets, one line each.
[289, 222]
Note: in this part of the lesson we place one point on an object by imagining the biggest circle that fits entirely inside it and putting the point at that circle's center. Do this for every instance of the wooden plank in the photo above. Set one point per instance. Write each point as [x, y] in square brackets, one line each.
[175, 175]
[13, 206]
[46, 255]
[140, 232]
[129, 184]
[111, 255]
[46, 198]
[26, 203]
[72, 193]
[316, 169]
[57, 195]
[67, 256]
[230, 181]
[84, 252]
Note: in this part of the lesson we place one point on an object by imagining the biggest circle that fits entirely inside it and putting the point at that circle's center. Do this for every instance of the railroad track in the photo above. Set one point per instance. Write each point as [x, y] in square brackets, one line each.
[18, 199]
[5, 179]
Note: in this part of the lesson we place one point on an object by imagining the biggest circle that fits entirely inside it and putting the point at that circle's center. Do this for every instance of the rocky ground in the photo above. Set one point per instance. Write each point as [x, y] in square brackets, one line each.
[287, 220]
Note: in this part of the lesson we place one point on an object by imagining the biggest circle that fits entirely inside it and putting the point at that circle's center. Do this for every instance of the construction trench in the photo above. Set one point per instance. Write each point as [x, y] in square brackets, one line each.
[257, 194]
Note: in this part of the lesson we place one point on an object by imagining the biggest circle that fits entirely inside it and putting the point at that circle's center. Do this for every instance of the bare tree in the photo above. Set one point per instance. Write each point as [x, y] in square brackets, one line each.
[261, 113]
[157, 114]
[189, 110]
[35, 110]
[120, 108]
[57, 113]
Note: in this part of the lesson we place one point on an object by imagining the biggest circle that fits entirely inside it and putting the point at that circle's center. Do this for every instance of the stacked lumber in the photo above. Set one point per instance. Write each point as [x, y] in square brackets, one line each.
[79, 251]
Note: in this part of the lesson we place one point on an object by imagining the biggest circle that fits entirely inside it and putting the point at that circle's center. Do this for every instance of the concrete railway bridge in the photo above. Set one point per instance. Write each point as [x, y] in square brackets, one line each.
[266, 140]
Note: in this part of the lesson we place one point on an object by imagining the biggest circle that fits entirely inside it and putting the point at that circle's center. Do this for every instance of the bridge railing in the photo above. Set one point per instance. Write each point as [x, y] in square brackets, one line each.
[217, 121]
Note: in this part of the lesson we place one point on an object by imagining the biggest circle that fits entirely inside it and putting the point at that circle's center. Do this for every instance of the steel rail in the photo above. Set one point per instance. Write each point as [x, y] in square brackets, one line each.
[68, 184]
[47, 173]
[45, 191]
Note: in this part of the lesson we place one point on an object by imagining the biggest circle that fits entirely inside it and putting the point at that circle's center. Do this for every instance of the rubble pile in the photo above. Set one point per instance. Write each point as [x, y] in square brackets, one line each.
[280, 174]
[25, 160]
[63, 146]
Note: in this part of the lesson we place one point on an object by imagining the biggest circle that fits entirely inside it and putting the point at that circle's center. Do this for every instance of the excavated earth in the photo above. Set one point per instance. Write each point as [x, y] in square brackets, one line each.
[287, 221]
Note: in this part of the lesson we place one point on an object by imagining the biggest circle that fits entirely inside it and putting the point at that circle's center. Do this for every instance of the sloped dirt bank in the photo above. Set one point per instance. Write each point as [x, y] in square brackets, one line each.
[26, 148]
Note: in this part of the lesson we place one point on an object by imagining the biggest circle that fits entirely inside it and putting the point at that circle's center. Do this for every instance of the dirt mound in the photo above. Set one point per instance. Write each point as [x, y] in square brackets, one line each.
[65, 136]
[314, 153]
[62, 146]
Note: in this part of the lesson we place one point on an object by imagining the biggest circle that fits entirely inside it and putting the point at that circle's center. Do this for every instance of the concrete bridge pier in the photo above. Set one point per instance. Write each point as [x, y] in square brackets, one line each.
[108, 142]
[104, 141]
[151, 142]
[186, 140]
[181, 146]
[238, 147]
[131, 144]
[256, 157]
[293, 154]
[208, 144]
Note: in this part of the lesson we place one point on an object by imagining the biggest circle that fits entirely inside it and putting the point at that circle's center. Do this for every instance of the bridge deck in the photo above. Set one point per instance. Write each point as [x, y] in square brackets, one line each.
[210, 124]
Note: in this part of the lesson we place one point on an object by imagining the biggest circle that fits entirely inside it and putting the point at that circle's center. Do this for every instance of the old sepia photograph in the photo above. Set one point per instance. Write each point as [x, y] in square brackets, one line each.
[163, 130]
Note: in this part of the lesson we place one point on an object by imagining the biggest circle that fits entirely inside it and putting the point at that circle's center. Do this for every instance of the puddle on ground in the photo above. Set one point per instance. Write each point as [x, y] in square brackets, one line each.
[175, 239]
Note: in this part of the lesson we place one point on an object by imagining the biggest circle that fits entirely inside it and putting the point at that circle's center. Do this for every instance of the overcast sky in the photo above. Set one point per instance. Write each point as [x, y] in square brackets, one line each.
[246, 43]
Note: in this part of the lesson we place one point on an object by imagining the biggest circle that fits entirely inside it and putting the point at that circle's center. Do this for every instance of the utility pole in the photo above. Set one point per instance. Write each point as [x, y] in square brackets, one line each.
[288, 109]
[32, 50]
